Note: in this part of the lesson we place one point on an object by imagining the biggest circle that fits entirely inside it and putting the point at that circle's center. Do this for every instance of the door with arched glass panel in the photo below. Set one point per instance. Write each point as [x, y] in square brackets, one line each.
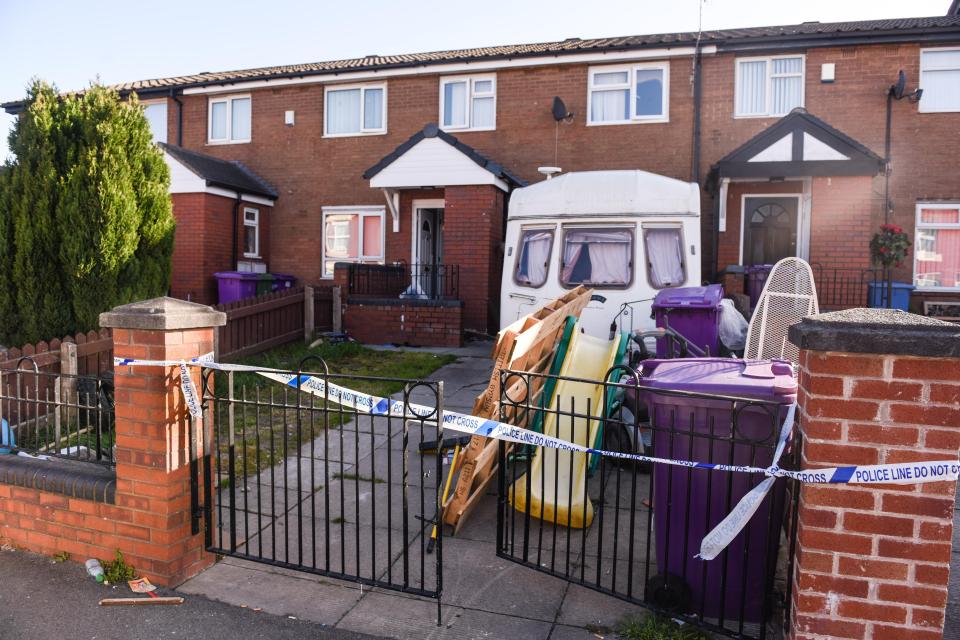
[770, 229]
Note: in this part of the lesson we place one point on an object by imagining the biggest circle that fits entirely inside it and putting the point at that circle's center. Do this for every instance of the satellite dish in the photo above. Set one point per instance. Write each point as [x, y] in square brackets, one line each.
[898, 89]
[560, 110]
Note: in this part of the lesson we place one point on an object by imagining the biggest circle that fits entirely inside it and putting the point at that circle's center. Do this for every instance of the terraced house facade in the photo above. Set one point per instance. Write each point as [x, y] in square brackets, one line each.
[410, 159]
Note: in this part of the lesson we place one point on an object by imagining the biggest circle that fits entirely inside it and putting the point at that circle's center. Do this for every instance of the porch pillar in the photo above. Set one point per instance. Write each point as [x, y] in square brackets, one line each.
[873, 560]
[153, 433]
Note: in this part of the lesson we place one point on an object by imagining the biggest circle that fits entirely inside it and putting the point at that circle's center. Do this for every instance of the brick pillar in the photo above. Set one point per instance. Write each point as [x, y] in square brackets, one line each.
[153, 433]
[876, 386]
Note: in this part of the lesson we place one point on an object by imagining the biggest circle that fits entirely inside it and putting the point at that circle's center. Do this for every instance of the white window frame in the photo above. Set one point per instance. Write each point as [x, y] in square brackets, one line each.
[228, 100]
[471, 94]
[363, 212]
[769, 84]
[255, 223]
[631, 70]
[949, 206]
[920, 106]
[363, 89]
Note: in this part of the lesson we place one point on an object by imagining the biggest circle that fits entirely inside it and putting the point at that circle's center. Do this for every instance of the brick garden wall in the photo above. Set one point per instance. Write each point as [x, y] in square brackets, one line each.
[387, 321]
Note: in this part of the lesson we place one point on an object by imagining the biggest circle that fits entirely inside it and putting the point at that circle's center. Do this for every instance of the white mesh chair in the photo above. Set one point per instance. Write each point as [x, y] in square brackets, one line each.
[788, 296]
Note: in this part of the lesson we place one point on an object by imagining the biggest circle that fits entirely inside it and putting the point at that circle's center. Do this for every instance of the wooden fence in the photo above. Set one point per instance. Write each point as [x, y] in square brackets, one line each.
[89, 354]
[261, 323]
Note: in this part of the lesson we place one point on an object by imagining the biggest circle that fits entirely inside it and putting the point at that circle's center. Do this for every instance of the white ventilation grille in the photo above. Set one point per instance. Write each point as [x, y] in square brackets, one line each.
[788, 296]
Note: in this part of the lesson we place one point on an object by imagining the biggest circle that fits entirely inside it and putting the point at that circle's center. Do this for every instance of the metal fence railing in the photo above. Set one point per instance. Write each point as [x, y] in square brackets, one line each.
[633, 530]
[839, 288]
[61, 415]
[423, 281]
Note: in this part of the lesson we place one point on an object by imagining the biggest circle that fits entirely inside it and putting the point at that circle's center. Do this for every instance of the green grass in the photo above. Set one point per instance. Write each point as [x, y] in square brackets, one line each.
[275, 425]
[357, 476]
[652, 627]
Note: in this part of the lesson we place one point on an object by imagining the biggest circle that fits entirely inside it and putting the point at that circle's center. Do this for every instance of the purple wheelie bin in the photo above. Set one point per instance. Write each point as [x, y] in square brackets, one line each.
[687, 503]
[282, 281]
[236, 285]
[694, 313]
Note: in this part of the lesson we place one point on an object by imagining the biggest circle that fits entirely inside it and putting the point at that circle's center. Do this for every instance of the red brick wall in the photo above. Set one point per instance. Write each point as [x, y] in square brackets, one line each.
[202, 245]
[410, 324]
[728, 248]
[846, 212]
[311, 171]
[873, 560]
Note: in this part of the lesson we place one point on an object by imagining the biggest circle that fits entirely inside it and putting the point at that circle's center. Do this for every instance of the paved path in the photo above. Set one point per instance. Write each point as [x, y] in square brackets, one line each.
[40, 599]
[483, 596]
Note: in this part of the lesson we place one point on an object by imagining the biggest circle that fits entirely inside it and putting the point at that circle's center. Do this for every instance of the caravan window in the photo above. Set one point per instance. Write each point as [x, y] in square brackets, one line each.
[533, 257]
[664, 249]
[601, 258]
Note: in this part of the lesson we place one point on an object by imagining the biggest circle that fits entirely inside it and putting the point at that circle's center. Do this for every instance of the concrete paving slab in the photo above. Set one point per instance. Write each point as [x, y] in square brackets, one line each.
[565, 632]
[582, 607]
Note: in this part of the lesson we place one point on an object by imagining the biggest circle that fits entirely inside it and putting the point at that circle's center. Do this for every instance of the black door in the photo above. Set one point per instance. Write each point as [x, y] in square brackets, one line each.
[771, 229]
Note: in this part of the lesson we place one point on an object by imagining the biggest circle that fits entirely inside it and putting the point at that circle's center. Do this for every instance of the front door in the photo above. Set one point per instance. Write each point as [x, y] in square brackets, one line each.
[428, 251]
[770, 228]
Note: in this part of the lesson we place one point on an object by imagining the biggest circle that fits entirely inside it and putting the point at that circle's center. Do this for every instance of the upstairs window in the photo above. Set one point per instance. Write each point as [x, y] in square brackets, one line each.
[468, 103]
[354, 111]
[936, 253]
[940, 80]
[637, 93]
[600, 258]
[769, 86]
[533, 257]
[229, 119]
[251, 233]
[352, 234]
[664, 253]
[156, 115]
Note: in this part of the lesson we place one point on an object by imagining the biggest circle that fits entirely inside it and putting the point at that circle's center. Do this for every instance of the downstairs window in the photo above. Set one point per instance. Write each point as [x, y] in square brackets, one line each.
[352, 235]
[936, 252]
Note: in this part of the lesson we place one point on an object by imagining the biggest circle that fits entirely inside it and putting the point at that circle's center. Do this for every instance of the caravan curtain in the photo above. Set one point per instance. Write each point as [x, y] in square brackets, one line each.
[664, 257]
[609, 254]
[534, 254]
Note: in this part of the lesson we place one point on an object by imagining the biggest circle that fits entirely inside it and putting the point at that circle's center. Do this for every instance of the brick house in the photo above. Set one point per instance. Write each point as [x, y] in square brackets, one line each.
[411, 158]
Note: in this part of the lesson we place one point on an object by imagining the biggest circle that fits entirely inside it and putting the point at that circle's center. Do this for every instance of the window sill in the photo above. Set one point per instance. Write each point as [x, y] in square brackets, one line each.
[737, 116]
[362, 134]
[919, 110]
[217, 143]
[627, 122]
[467, 129]
[918, 289]
[252, 256]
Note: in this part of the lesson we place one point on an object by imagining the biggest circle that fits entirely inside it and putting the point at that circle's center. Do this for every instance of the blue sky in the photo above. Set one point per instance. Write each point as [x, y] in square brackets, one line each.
[72, 43]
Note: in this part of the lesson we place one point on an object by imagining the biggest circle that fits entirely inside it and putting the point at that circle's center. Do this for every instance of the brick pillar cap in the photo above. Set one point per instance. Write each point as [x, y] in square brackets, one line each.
[879, 331]
[162, 314]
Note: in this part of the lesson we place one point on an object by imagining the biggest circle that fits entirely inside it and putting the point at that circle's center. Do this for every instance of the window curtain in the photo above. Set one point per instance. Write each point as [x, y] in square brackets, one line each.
[941, 90]
[482, 115]
[609, 253]
[533, 259]
[610, 106]
[240, 119]
[343, 111]
[664, 257]
[786, 92]
[218, 121]
[752, 87]
[373, 109]
[455, 104]
[156, 115]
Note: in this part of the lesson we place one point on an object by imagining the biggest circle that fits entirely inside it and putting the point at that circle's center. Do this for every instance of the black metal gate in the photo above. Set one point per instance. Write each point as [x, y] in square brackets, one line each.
[300, 482]
[632, 530]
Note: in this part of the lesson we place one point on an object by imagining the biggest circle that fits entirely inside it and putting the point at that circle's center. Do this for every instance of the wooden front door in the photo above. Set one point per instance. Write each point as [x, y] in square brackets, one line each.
[770, 228]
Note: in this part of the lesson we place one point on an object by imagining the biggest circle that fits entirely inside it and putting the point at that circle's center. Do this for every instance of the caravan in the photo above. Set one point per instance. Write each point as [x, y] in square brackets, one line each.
[625, 234]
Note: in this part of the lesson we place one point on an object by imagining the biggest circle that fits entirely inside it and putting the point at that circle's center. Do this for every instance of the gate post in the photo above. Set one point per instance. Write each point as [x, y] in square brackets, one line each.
[153, 432]
[877, 386]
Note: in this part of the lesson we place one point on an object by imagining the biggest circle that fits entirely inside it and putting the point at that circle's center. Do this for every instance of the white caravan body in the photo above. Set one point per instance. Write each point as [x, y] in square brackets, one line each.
[625, 234]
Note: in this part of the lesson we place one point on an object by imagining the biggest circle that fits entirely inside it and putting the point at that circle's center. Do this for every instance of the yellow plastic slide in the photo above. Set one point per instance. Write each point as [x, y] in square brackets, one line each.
[557, 489]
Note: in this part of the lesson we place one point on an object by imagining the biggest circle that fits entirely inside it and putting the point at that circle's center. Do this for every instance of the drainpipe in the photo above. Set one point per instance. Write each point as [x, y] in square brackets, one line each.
[236, 216]
[173, 96]
[697, 91]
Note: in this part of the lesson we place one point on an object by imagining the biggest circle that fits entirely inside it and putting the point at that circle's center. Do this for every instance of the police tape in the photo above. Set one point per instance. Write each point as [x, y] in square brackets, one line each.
[713, 543]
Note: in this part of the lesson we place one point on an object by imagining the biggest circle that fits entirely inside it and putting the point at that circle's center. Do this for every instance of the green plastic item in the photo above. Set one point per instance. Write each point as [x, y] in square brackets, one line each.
[550, 386]
[613, 402]
[264, 283]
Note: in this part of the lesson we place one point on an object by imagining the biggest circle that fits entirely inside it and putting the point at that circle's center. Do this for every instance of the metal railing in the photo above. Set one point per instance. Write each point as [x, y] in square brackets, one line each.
[320, 487]
[589, 519]
[61, 415]
[401, 280]
[839, 288]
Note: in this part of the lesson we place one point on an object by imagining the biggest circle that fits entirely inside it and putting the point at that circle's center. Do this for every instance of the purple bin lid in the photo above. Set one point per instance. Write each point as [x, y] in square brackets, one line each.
[771, 380]
[237, 275]
[707, 297]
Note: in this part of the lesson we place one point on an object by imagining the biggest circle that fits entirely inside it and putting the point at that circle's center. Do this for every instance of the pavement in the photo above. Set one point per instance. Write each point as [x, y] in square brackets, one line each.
[43, 599]
[483, 596]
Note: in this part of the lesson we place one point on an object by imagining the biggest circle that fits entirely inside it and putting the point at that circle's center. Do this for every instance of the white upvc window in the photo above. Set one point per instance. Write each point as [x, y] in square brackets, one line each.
[156, 114]
[628, 94]
[936, 250]
[940, 80]
[228, 119]
[355, 110]
[352, 234]
[771, 86]
[469, 103]
[251, 232]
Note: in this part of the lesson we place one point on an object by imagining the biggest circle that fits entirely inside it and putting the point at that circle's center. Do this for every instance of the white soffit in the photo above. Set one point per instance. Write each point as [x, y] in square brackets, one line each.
[779, 151]
[433, 163]
[814, 149]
